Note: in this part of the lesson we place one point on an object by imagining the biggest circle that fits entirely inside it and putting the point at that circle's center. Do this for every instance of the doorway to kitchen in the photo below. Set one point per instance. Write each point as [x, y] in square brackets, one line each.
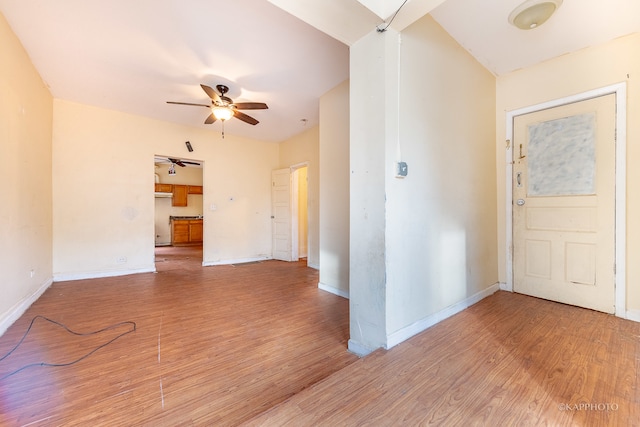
[178, 213]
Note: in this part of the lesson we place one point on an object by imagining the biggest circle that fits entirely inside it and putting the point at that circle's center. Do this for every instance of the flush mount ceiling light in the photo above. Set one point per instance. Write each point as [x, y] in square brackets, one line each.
[533, 13]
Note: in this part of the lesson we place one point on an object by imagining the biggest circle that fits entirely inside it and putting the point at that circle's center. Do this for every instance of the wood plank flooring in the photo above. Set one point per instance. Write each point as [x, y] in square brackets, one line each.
[212, 345]
[260, 345]
[508, 360]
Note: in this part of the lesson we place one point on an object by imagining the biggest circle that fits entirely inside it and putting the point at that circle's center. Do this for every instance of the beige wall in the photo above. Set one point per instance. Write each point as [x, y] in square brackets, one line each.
[103, 177]
[303, 148]
[188, 175]
[334, 190]
[424, 246]
[592, 68]
[26, 110]
[441, 231]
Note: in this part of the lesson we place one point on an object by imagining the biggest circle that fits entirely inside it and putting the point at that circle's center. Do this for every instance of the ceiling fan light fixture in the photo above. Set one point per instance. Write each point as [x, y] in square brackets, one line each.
[533, 13]
[222, 113]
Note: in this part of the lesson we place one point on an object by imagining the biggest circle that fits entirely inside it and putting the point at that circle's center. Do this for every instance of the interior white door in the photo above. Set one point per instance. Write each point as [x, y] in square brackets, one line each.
[281, 213]
[564, 204]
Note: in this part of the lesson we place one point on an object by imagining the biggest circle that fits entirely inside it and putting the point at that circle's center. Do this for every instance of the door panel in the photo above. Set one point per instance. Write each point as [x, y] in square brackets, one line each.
[281, 214]
[564, 204]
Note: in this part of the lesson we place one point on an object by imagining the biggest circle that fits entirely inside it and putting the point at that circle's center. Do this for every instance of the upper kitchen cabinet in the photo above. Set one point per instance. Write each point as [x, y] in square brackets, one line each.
[195, 189]
[179, 195]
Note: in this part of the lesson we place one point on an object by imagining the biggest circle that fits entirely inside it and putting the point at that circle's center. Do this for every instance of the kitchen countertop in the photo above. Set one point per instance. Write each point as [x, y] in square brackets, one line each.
[186, 217]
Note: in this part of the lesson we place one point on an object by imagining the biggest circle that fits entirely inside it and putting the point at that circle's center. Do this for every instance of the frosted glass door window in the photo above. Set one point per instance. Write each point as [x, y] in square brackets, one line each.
[561, 156]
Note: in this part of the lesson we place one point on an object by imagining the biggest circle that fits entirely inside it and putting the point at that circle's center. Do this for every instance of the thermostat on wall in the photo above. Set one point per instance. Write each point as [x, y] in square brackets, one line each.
[402, 170]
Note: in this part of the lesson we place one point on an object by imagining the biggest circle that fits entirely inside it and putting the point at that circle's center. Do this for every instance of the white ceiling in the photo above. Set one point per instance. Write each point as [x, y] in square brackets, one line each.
[133, 56]
[481, 27]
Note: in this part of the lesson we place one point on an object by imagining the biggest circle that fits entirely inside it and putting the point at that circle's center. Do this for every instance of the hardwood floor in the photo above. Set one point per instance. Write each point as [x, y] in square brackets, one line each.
[212, 345]
[259, 344]
[508, 360]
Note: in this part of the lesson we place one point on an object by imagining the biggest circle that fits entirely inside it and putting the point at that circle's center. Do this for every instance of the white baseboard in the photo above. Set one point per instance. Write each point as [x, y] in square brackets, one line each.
[633, 315]
[314, 266]
[100, 274]
[419, 326]
[333, 290]
[234, 261]
[18, 309]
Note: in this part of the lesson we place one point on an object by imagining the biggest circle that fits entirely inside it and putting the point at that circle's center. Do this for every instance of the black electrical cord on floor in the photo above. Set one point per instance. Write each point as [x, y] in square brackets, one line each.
[70, 331]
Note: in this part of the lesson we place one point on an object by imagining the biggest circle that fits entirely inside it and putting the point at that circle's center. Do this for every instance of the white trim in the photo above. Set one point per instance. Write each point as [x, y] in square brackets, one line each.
[100, 274]
[620, 90]
[633, 315]
[333, 290]
[425, 323]
[299, 165]
[313, 265]
[621, 199]
[234, 261]
[21, 307]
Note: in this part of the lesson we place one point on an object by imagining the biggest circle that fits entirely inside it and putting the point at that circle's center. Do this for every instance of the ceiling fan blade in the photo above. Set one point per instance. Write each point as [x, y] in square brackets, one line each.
[188, 103]
[210, 119]
[190, 163]
[245, 118]
[251, 106]
[212, 93]
[177, 162]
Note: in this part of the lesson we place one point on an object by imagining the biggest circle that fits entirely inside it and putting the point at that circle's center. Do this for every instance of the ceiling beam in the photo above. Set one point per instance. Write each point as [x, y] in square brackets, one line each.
[345, 20]
[349, 20]
[410, 12]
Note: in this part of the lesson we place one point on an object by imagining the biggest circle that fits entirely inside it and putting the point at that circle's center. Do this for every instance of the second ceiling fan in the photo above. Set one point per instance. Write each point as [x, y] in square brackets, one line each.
[223, 108]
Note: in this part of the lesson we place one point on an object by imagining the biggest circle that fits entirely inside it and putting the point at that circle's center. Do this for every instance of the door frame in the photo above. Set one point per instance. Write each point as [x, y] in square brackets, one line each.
[295, 215]
[620, 92]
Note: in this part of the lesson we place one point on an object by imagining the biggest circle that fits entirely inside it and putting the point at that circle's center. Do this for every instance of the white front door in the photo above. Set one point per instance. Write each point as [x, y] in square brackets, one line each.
[564, 204]
[281, 213]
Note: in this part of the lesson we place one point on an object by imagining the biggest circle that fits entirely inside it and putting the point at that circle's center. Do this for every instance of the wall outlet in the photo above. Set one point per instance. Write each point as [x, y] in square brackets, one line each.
[121, 260]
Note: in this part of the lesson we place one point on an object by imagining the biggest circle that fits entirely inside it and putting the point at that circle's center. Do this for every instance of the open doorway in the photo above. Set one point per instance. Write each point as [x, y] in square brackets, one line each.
[289, 189]
[178, 214]
[299, 206]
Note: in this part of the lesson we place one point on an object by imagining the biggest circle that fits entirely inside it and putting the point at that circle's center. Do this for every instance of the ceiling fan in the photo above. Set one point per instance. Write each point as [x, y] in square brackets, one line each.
[223, 108]
[182, 163]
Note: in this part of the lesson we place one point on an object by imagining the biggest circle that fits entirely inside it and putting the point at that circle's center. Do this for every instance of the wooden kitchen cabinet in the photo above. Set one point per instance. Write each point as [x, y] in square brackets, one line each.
[179, 195]
[195, 189]
[186, 232]
[195, 231]
[179, 232]
[164, 188]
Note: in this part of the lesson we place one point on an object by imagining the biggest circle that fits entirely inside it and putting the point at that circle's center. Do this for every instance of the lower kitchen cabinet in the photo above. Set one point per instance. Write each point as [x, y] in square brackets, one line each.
[186, 231]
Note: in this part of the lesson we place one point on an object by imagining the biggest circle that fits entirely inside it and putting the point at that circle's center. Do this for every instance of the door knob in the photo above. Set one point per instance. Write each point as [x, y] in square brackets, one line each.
[520, 202]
